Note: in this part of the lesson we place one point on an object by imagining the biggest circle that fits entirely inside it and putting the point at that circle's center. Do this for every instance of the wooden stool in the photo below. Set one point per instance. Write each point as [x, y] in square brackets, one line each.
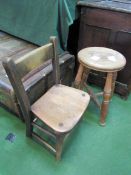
[103, 60]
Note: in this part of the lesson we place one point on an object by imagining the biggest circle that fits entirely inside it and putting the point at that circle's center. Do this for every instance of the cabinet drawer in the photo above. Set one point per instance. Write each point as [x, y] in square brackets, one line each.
[113, 20]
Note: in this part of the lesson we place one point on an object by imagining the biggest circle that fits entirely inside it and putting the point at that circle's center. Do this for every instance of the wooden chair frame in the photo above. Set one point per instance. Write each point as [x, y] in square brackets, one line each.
[11, 67]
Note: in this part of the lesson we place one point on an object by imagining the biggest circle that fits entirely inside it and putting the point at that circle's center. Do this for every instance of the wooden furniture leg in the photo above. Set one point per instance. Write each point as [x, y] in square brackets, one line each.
[59, 144]
[84, 78]
[93, 96]
[78, 78]
[60, 115]
[80, 83]
[113, 82]
[106, 97]
[84, 84]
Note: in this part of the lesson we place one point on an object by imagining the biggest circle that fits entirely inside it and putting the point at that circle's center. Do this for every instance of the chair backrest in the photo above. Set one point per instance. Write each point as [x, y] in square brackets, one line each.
[17, 69]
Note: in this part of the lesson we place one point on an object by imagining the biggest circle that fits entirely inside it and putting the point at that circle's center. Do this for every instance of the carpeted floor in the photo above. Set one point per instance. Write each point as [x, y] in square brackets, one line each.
[91, 149]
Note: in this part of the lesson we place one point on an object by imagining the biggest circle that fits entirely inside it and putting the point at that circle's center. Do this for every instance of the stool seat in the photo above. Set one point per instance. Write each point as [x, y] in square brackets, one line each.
[101, 59]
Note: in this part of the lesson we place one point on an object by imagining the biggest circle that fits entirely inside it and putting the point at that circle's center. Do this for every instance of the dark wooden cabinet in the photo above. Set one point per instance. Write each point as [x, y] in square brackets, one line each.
[107, 28]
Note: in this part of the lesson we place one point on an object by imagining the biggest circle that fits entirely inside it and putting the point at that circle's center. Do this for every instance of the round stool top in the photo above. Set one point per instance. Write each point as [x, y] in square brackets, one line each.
[101, 59]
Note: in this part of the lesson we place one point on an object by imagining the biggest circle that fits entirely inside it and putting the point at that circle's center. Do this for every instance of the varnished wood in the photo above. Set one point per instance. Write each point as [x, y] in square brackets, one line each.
[38, 80]
[79, 76]
[14, 48]
[59, 146]
[55, 61]
[60, 109]
[11, 46]
[113, 83]
[80, 82]
[107, 27]
[93, 95]
[85, 75]
[20, 93]
[106, 97]
[33, 60]
[99, 17]
[103, 60]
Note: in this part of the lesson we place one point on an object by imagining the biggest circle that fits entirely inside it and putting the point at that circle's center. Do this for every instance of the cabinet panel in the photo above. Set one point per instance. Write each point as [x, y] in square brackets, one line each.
[112, 29]
[93, 36]
[123, 44]
[107, 19]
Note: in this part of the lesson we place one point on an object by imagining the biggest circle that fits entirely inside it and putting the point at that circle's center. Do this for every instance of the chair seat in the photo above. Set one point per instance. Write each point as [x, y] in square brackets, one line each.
[53, 107]
[101, 59]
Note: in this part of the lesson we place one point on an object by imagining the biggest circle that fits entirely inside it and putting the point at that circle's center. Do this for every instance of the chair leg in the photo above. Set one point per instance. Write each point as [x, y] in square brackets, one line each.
[59, 146]
[106, 97]
[29, 128]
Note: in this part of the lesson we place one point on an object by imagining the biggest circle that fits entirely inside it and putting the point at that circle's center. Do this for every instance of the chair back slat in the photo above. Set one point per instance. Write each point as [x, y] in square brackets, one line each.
[34, 59]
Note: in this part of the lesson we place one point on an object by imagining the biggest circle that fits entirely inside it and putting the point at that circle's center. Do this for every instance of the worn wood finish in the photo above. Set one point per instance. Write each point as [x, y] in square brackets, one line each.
[59, 109]
[103, 60]
[14, 48]
[106, 26]
[80, 82]
[20, 92]
[29, 62]
[58, 114]
[92, 94]
[78, 77]
[113, 83]
[99, 17]
[55, 62]
[39, 79]
[84, 78]
[59, 146]
[10, 46]
[106, 98]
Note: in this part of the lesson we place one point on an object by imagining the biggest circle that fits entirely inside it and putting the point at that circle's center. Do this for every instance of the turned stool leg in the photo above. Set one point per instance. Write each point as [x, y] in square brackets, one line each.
[84, 78]
[80, 83]
[84, 84]
[113, 82]
[106, 97]
[78, 78]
